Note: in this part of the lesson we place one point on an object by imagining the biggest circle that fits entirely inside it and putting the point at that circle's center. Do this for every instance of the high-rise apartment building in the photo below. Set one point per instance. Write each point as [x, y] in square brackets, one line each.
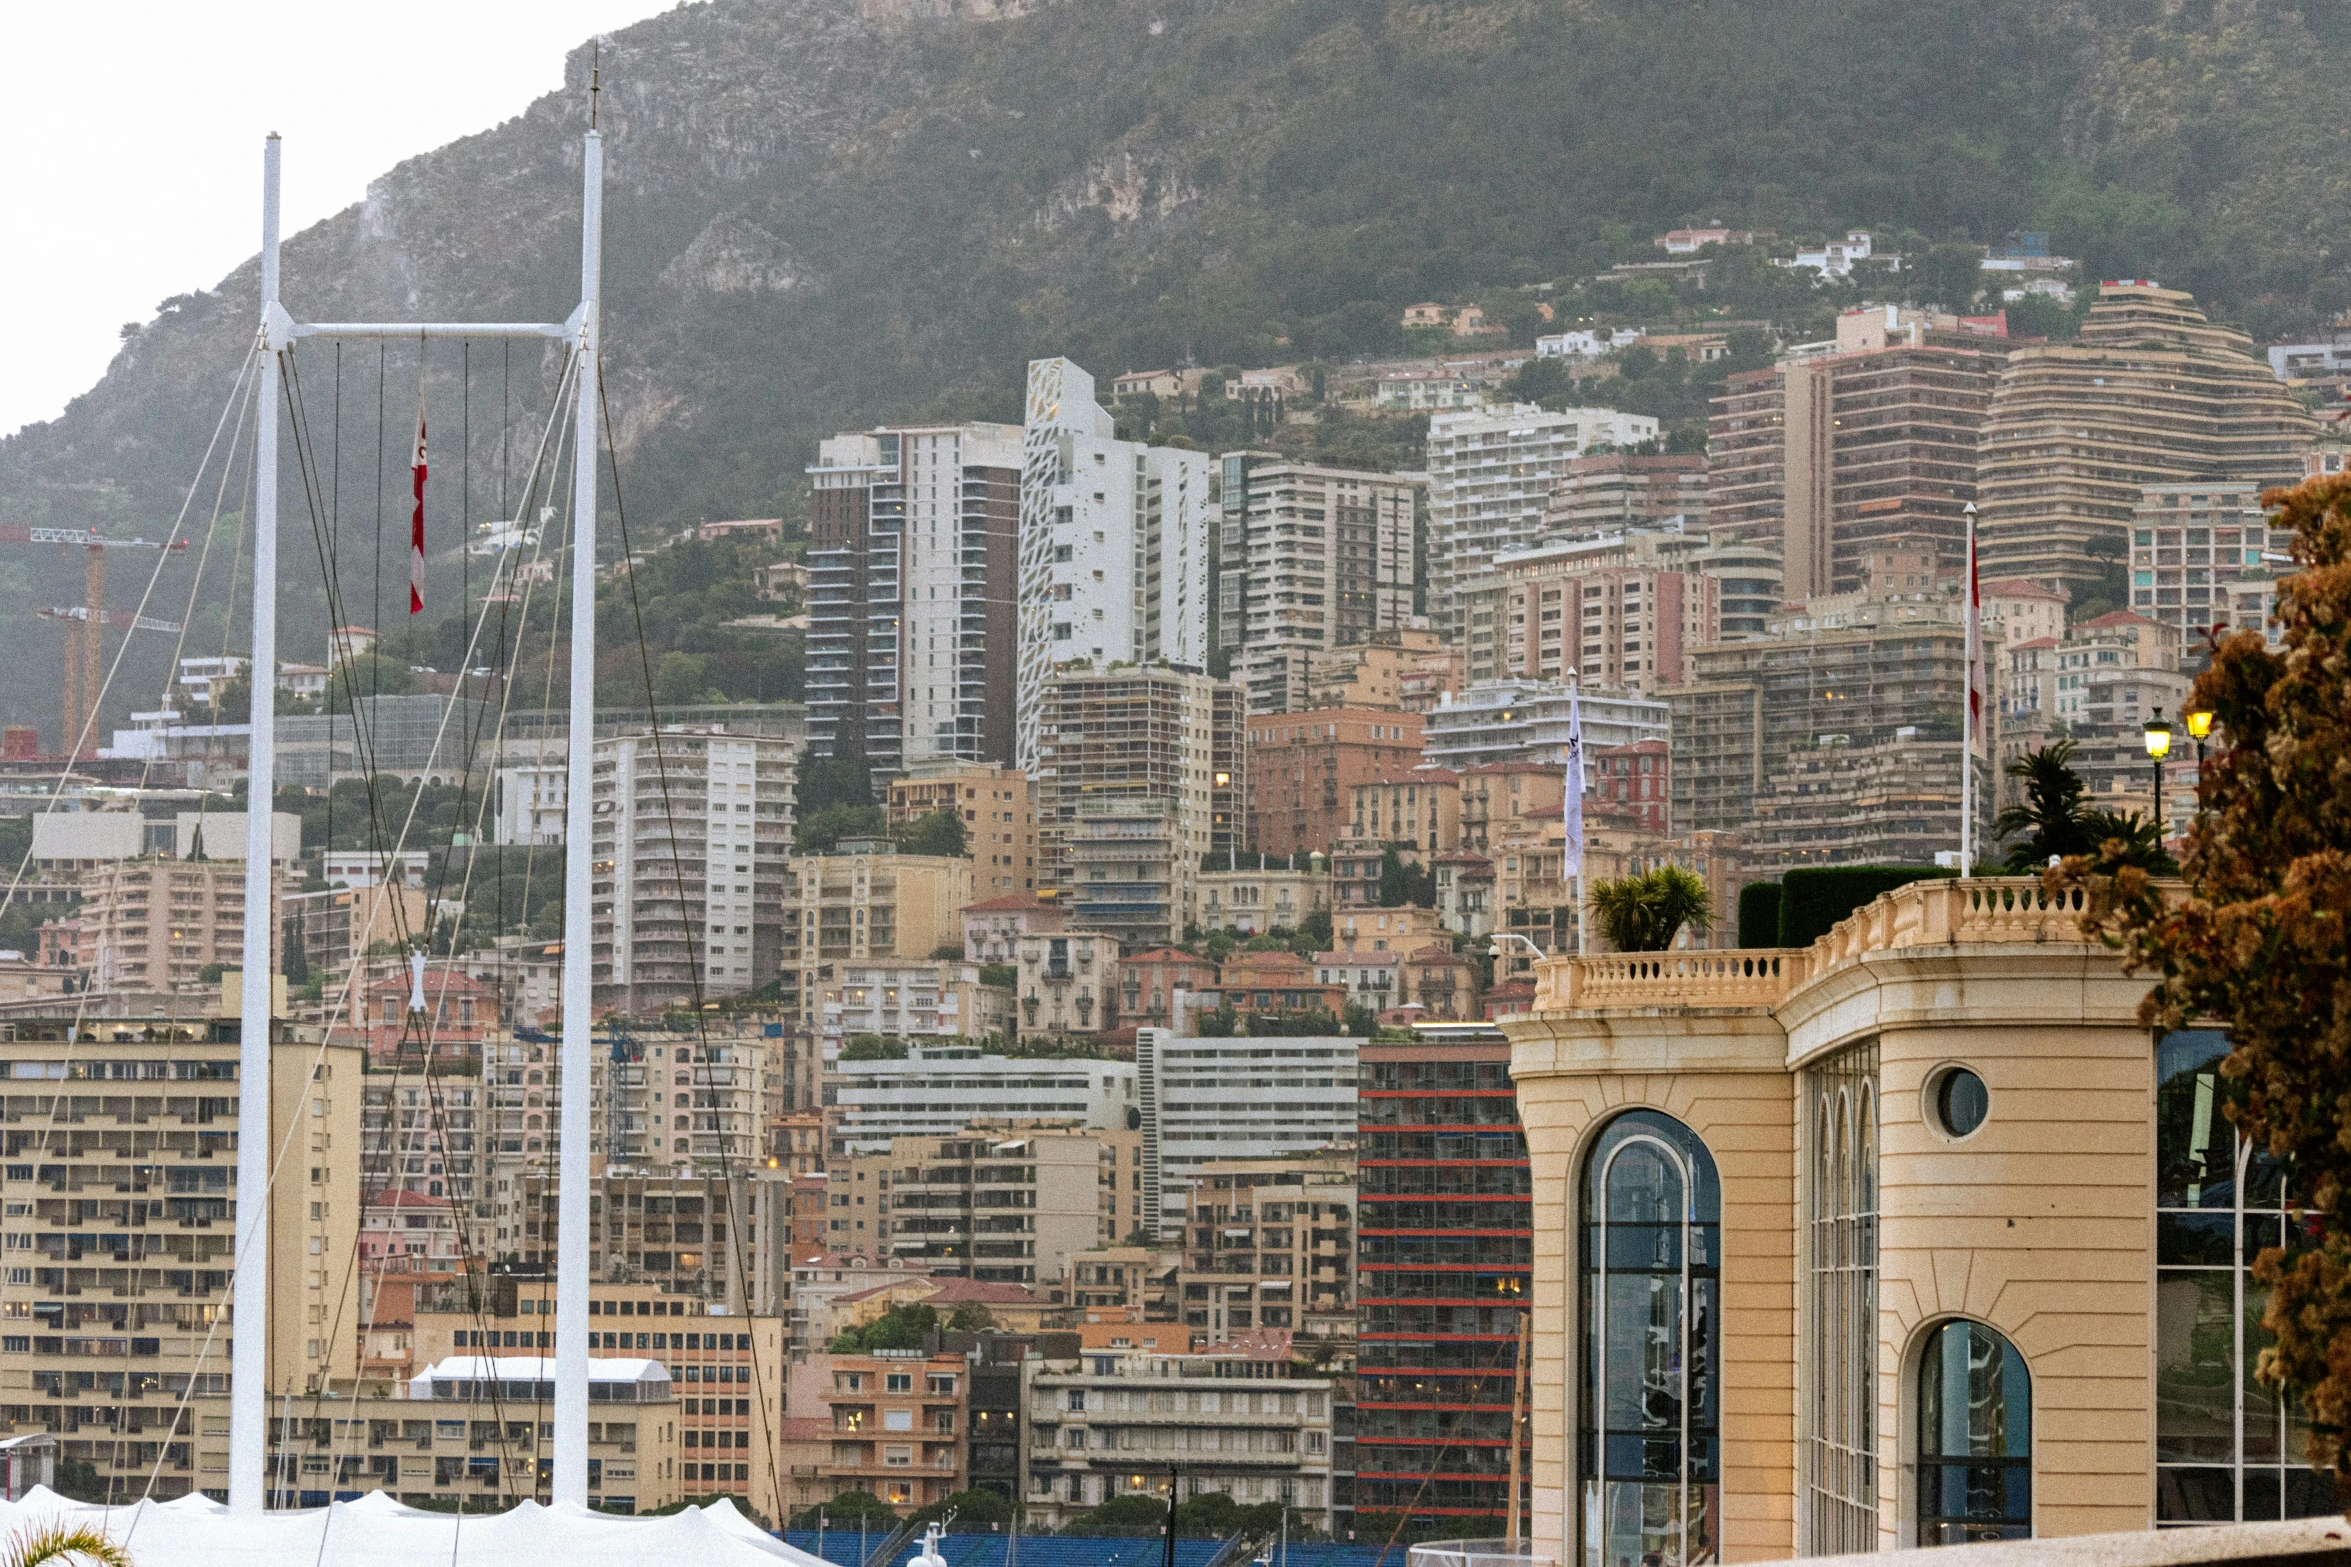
[913, 575]
[1139, 774]
[1012, 1207]
[1617, 491]
[1447, 1225]
[2151, 393]
[1528, 720]
[1551, 613]
[1116, 540]
[935, 1092]
[1310, 559]
[692, 829]
[999, 819]
[1782, 724]
[154, 924]
[1270, 1243]
[1254, 1098]
[1827, 455]
[2205, 561]
[118, 1162]
[1404, 669]
[1491, 474]
[1304, 769]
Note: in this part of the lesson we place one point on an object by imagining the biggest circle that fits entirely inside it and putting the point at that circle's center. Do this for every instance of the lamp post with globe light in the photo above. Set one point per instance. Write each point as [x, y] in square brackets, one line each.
[2158, 737]
[2199, 726]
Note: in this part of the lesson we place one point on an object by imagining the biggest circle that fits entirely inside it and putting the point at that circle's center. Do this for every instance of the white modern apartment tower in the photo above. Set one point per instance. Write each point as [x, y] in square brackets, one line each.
[1115, 540]
[1250, 1098]
[690, 842]
[1309, 559]
[1491, 474]
[913, 569]
[938, 1092]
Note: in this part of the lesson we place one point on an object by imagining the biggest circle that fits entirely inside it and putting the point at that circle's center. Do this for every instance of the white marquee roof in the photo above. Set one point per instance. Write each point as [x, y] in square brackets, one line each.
[376, 1531]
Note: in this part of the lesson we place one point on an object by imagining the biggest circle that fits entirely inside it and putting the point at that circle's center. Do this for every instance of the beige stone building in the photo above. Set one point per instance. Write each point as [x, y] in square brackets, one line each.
[1270, 1243]
[121, 1215]
[1855, 1247]
[999, 819]
[725, 1372]
[866, 900]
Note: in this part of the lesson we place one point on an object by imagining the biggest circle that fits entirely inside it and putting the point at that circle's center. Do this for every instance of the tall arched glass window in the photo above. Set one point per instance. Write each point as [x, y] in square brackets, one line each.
[1649, 1255]
[1975, 1438]
[2226, 1448]
[1840, 1497]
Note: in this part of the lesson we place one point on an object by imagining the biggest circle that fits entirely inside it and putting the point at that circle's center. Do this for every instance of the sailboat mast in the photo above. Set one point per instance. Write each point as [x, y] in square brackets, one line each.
[249, 1308]
[571, 1245]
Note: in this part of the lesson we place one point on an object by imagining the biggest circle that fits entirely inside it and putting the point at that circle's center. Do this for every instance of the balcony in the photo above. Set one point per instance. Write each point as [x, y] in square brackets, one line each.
[2001, 911]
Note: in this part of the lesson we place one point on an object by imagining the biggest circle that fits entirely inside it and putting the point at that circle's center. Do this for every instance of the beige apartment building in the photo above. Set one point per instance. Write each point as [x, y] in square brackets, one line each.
[1005, 1206]
[119, 1172]
[898, 1428]
[865, 900]
[1901, 1189]
[726, 1370]
[999, 819]
[1270, 1243]
[154, 924]
[1404, 669]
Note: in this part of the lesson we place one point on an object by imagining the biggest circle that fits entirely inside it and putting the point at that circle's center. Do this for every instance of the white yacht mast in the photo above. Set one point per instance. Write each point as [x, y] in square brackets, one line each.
[256, 1150]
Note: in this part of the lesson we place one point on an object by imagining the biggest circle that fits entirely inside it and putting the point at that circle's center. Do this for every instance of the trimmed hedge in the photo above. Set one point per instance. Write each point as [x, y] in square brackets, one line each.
[1759, 914]
[1815, 898]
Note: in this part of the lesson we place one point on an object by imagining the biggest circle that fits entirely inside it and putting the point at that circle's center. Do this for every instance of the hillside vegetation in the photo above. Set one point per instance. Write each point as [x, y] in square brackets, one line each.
[825, 213]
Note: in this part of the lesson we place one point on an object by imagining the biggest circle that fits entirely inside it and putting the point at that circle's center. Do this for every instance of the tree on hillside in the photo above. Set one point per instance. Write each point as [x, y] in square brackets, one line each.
[940, 832]
[847, 1511]
[820, 830]
[903, 1326]
[2262, 941]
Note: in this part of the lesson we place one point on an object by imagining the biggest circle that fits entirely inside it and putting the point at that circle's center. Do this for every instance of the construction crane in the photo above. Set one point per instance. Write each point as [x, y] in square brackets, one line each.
[85, 643]
[113, 617]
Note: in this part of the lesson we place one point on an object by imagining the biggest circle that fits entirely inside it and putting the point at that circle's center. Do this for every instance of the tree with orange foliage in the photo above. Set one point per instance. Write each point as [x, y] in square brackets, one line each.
[2262, 940]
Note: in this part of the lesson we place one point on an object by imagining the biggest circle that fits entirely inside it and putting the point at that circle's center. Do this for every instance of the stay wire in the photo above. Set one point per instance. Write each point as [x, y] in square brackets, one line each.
[739, 1197]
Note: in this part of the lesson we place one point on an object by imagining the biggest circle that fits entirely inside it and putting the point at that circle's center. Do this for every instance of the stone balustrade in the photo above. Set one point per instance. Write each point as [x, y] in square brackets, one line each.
[1991, 911]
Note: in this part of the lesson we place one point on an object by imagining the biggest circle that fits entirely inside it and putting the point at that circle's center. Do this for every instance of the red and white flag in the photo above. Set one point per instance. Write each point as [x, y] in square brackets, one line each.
[416, 521]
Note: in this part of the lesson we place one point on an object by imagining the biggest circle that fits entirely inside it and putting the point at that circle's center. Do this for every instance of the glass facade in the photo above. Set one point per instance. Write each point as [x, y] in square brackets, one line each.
[1446, 1223]
[1648, 1264]
[1975, 1438]
[2226, 1448]
[1841, 1256]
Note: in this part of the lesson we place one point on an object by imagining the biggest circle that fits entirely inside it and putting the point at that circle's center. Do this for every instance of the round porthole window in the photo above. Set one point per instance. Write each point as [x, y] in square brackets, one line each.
[1959, 1100]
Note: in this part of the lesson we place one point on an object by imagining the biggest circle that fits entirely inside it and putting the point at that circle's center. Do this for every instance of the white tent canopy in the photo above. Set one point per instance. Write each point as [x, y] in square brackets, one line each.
[376, 1531]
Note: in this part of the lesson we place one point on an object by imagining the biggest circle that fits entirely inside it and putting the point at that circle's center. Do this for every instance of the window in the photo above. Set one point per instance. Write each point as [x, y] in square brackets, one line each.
[1842, 1253]
[1648, 1265]
[1975, 1438]
[2224, 1448]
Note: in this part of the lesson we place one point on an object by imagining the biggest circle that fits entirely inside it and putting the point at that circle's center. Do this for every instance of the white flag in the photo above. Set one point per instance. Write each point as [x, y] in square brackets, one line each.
[1571, 855]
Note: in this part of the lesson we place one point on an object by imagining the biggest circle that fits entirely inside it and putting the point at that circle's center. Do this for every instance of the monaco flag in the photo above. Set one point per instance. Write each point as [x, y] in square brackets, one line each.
[416, 521]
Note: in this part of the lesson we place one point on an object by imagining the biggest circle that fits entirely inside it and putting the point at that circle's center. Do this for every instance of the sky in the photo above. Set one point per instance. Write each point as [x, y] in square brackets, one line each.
[134, 172]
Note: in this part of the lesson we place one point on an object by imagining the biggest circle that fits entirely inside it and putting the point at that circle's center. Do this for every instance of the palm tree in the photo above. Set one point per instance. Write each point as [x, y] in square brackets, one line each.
[1644, 913]
[2122, 838]
[2054, 814]
[58, 1542]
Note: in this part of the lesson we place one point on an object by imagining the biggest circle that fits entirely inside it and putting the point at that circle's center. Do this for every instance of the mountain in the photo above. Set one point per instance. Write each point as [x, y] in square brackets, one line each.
[822, 213]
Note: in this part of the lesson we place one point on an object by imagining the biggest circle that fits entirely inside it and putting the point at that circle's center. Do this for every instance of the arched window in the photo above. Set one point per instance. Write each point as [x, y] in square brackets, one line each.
[1840, 1497]
[1975, 1438]
[1649, 1260]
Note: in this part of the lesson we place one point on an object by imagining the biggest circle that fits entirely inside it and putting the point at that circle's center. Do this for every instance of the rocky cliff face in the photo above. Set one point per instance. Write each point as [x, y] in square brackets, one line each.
[822, 213]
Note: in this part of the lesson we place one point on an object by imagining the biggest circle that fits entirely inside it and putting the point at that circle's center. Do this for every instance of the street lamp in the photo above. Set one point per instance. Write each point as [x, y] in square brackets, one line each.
[2200, 725]
[2158, 738]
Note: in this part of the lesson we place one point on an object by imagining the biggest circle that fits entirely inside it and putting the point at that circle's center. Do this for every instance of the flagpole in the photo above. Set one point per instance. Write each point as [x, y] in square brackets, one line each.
[1571, 814]
[249, 1308]
[1973, 646]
